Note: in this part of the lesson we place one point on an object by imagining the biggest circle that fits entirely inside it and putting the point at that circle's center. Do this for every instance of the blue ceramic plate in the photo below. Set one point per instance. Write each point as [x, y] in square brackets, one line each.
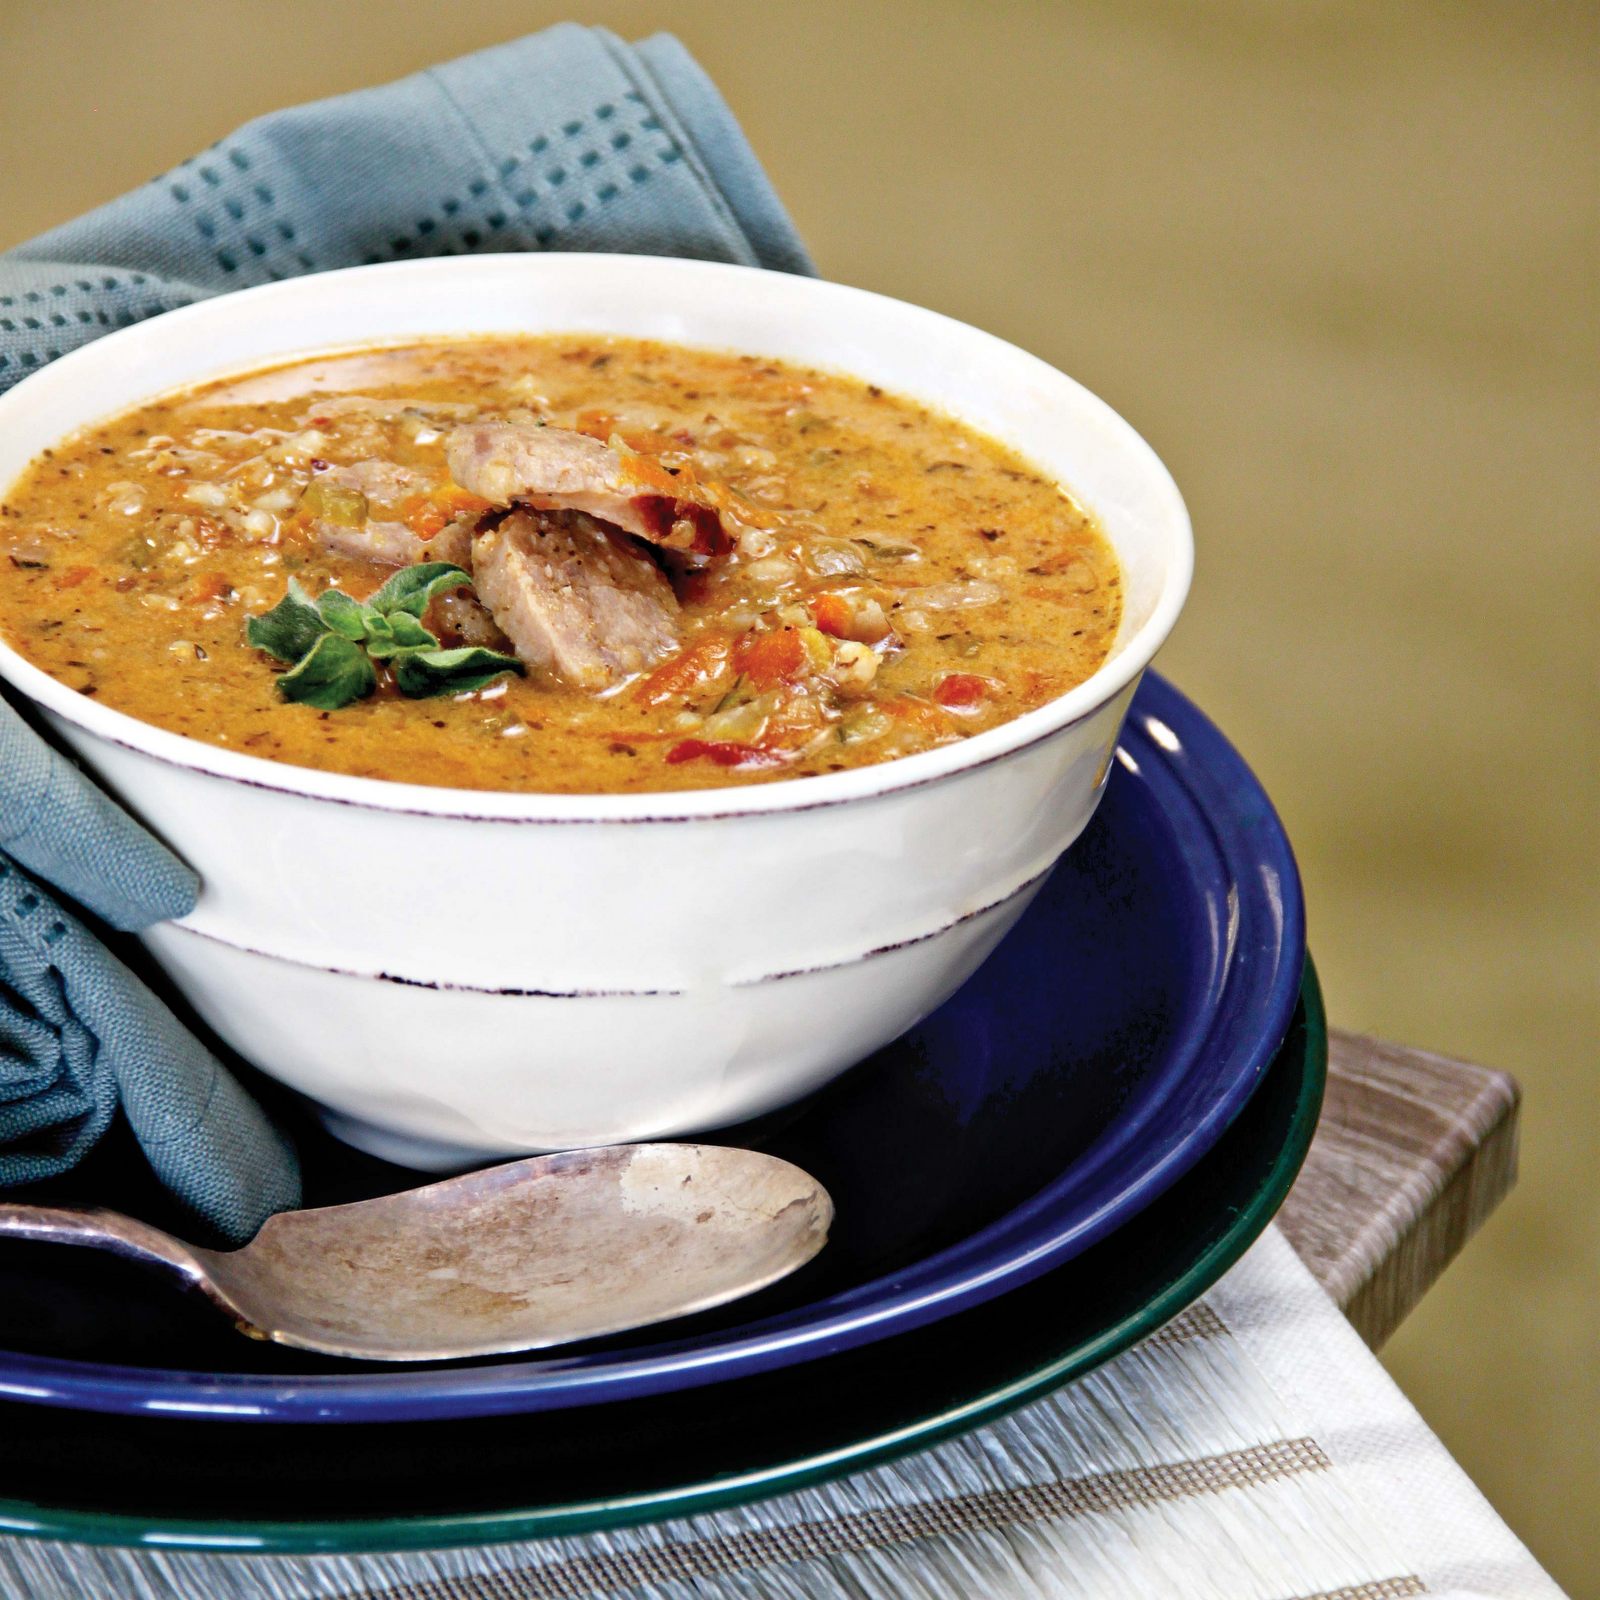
[1097, 1056]
[174, 1484]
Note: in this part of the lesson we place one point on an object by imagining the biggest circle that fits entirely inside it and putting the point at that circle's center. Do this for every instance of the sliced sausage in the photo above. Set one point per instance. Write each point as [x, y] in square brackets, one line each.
[555, 469]
[575, 597]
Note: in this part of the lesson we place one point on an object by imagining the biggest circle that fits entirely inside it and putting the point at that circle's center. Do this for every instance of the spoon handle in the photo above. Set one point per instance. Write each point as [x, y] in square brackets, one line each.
[100, 1230]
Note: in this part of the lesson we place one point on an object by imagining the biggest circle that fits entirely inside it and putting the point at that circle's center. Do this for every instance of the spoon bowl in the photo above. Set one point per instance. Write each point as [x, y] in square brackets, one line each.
[533, 1253]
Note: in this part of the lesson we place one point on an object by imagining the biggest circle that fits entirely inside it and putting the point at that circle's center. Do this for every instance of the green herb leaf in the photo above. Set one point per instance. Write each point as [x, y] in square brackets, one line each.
[334, 641]
[290, 628]
[333, 673]
[388, 636]
[420, 673]
[408, 632]
[342, 614]
[378, 636]
[411, 588]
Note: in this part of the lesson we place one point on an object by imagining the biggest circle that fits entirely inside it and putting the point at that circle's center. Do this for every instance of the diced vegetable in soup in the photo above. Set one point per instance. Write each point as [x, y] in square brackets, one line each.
[563, 564]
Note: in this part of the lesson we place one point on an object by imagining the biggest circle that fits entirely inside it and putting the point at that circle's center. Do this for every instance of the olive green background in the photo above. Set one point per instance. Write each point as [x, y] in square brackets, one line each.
[1337, 262]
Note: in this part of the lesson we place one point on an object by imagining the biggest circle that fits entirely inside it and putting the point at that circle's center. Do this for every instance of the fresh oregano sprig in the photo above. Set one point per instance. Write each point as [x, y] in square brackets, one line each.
[332, 642]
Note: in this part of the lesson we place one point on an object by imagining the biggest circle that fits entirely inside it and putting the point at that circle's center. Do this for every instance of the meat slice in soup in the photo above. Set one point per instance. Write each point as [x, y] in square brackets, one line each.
[557, 469]
[575, 597]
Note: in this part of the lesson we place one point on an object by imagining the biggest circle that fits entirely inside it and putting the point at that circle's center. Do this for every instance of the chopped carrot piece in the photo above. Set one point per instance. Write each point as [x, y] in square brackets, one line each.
[644, 472]
[596, 423]
[606, 425]
[459, 503]
[425, 517]
[922, 713]
[769, 658]
[833, 613]
[210, 587]
[687, 672]
[73, 576]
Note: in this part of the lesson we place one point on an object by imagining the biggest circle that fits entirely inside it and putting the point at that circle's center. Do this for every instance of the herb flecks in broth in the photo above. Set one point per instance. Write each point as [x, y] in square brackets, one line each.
[711, 568]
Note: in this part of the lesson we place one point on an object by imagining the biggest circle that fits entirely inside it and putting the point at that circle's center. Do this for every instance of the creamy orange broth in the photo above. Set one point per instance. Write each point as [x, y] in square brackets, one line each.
[132, 555]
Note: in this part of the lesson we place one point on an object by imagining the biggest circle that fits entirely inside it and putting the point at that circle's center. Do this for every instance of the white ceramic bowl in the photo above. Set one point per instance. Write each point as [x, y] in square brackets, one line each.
[619, 966]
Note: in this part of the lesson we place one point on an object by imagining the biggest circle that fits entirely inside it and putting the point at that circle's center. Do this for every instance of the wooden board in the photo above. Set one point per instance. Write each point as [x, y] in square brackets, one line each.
[1413, 1152]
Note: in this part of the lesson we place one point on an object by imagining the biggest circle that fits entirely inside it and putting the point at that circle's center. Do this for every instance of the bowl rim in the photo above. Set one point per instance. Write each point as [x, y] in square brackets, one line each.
[781, 795]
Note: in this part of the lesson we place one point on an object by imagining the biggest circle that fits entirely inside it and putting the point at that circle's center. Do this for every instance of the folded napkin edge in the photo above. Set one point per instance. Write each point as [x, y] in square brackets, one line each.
[699, 107]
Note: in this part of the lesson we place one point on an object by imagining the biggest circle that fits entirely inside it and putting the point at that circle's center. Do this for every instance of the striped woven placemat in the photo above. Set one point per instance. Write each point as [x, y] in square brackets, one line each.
[1253, 1449]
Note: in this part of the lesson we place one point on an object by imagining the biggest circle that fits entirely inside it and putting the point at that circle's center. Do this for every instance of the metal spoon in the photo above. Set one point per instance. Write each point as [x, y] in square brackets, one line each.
[517, 1257]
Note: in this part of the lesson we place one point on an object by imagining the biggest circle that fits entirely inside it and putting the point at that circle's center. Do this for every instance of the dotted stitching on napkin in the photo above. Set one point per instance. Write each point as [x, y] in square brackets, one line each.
[236, 218]
[535, 185]
[76, 303]
[555, 182]
[18, 903]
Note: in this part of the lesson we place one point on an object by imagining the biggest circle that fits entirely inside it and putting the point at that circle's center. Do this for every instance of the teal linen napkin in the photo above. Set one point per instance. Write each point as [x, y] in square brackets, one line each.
[80, 1035]
[566, 140]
